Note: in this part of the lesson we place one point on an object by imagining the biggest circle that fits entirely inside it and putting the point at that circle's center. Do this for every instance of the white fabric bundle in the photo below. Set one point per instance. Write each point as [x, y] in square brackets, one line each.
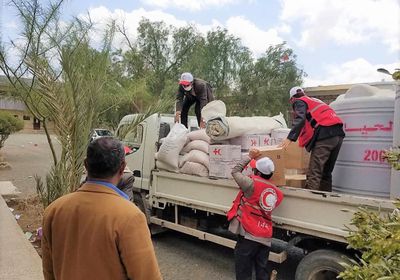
[171, 147]
[194, 168]
[200, 145]
[220, 127]
[165, 166]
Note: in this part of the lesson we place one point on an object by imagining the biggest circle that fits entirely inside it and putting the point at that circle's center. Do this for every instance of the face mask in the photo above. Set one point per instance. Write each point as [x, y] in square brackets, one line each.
[187, 88]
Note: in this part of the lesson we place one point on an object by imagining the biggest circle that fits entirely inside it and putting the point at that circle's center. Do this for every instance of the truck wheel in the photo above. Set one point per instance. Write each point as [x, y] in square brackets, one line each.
[321, 265]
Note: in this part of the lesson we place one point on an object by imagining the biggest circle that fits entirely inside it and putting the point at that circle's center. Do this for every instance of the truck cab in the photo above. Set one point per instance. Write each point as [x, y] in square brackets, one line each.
[145, 140]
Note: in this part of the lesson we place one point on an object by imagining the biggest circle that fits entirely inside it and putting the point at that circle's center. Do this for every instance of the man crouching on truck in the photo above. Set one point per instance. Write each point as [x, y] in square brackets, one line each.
[250, 216]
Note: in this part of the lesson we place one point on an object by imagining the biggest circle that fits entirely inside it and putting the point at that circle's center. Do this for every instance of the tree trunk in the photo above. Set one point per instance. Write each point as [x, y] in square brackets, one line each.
[53, 152]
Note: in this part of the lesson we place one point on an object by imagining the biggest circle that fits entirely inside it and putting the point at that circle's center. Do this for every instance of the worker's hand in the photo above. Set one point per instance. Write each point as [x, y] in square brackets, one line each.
[285, 143]
[202, 124]
[177, 116]
[254, 153]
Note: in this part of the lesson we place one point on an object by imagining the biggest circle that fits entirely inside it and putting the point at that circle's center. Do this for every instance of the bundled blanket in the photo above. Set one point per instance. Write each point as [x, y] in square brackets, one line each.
[220, 127]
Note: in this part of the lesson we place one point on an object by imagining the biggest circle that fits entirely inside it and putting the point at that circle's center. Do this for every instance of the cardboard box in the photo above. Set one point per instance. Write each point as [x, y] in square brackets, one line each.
[296, 181]
[246, 141]
[277, 156]
[296, 157]
[221, 169]
[225, 152]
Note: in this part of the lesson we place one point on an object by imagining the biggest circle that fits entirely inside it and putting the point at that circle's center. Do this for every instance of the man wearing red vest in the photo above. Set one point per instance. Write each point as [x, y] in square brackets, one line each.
[320, 131]
[250, 216]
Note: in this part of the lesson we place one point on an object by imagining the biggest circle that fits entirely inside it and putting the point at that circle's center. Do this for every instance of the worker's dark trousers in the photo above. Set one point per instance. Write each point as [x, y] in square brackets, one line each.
[188, 101]
[322, 161]
[249, 254]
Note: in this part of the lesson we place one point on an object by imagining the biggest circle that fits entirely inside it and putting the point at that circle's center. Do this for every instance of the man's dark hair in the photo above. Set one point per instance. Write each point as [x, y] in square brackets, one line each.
[262, 175]
[104, 157]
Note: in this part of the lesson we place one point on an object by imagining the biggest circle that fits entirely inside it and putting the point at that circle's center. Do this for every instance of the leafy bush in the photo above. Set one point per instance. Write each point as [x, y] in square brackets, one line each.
[378, 238]
[393, 157]
[8, 125]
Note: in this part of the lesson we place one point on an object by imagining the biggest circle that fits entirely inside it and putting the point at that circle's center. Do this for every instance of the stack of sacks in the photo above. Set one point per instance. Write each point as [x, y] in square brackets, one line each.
[195, 159]
[168, 155]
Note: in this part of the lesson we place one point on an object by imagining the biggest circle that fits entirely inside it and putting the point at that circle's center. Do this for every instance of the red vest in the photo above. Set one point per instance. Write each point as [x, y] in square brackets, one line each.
[318, 113]
[255, 211]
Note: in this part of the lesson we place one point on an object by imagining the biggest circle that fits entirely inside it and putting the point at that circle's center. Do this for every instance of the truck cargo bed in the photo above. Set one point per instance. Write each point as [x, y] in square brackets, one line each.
[321, 214]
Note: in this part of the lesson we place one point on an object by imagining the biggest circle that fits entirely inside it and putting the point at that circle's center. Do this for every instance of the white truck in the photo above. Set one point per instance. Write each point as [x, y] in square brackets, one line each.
[315, 221]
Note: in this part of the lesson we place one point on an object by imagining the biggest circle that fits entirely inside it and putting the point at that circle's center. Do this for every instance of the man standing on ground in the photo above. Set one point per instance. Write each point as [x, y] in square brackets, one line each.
[320, 131]
[250, 216]
[96, 232]
[192, 91]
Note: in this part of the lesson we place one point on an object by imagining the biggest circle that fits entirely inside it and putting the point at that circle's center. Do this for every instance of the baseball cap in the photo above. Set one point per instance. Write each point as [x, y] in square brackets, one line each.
[294, 90]
[186, 79]
[265, 165]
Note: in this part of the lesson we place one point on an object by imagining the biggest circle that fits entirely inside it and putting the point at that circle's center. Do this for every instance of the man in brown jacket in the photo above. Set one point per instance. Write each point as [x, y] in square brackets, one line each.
[96, 232]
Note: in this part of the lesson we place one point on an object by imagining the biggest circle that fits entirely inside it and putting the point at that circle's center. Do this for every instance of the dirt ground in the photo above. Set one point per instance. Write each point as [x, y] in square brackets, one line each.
[29, 213]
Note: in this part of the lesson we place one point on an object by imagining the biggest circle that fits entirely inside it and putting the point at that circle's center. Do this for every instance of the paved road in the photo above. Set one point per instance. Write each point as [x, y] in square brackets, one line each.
[183, 257]
[28, 155]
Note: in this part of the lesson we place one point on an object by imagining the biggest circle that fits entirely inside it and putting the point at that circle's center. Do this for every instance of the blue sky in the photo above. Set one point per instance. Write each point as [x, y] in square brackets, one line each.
[342, 41]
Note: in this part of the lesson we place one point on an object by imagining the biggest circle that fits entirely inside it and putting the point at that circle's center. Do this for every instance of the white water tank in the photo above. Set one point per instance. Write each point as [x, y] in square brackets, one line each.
[367, 113]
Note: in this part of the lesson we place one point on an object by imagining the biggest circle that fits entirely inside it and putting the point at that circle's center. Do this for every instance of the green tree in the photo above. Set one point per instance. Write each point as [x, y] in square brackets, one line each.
[67, 82]
[264, 89]
[378, 239]
[219, 58]
[8, 125]
[161, 50]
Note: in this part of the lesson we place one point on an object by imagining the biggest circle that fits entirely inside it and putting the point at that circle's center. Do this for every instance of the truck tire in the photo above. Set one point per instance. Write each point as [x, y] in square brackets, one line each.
[321, 265]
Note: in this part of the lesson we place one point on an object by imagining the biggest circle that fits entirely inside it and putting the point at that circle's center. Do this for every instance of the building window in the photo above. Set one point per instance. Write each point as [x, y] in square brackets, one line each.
[16, 116]
[27, 118]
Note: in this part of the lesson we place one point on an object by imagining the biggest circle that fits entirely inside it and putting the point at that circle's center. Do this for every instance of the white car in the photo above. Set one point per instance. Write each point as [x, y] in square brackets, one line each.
[100, 132]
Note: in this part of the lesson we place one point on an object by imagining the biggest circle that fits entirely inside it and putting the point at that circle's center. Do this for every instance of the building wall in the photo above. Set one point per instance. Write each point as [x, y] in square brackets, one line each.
[29, 120]
[330, 93]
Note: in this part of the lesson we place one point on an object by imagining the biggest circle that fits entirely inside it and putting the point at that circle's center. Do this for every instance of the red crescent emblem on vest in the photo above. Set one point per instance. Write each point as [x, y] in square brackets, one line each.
[268, 199]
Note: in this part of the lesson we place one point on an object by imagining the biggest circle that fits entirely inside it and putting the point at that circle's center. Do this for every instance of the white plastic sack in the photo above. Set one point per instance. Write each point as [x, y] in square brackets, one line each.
[194, 168]
[172, 145]
[195, 156]
[165, 166]
[196, 145]
[199, 134]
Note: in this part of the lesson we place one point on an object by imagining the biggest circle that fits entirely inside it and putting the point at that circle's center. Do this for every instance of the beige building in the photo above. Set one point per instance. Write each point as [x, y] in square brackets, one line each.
[18, 109]
[330, 93]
